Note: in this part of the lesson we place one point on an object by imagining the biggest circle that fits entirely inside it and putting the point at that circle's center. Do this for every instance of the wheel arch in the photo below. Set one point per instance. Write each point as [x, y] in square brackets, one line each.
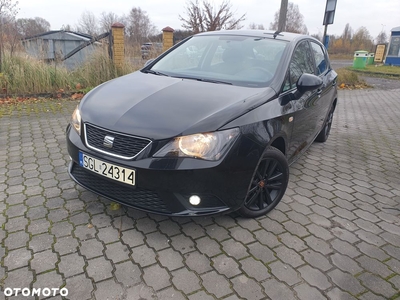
[275, 194]
[280, 144]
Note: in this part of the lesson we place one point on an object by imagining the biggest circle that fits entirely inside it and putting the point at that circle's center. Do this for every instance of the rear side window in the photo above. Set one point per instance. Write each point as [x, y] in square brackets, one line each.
[301, 62]
[319, 57]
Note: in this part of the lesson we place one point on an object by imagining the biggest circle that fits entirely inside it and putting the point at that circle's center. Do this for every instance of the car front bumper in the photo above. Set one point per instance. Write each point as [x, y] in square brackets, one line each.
[164, 185]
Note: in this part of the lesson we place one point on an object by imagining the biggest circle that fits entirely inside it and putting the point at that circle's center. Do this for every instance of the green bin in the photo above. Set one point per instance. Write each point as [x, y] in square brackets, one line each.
[370, 60]
[360, 59]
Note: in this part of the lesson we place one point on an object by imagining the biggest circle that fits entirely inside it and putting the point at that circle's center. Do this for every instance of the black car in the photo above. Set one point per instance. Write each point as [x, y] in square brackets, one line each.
[147, 49]
[210, 126]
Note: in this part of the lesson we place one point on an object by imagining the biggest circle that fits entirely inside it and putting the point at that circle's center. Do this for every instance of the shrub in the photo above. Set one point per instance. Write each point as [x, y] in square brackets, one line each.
[347, 77]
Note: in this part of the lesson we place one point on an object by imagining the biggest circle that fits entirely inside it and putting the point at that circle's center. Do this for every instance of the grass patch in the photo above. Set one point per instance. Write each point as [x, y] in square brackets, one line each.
[28, 106]
[383, 71]
[100, 68]
[24, 75]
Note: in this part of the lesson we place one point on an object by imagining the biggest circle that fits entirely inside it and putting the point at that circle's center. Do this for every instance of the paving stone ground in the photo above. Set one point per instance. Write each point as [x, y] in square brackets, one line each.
[335, 235]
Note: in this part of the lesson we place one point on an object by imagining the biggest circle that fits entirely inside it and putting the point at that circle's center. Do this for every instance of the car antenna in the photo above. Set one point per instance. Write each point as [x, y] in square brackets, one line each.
[276, 33]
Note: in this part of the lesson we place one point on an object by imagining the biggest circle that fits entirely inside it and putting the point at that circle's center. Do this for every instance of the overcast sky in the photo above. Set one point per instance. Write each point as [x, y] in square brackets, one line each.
[374, 15]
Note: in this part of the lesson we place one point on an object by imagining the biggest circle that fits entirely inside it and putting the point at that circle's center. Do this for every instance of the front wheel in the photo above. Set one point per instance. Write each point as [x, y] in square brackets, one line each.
[268, 184]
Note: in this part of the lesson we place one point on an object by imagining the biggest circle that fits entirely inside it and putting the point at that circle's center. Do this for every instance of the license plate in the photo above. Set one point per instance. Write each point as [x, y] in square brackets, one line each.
[106, 169]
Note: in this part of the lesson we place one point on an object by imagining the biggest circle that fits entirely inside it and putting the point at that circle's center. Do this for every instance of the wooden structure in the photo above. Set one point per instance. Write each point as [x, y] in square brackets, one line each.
[55, 45]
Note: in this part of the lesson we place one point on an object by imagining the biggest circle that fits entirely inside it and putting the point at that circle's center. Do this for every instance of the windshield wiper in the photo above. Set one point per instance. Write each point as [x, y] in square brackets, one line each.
[204, 79]
[149, 71]
[214, 81]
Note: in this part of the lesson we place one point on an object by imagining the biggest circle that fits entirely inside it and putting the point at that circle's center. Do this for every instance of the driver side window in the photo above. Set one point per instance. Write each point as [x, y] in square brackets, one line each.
[301, 62]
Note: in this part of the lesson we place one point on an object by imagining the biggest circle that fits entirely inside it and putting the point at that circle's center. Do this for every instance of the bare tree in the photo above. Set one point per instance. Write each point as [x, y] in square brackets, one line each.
[206, 17]
[194, 21]
[140, 28]
[347, 32]
[349, 42]
[107, 19]
[294, 20]
[8, 11]
[254, 26]
[362, 39]
[30, 27]
[180, 35]
[382, 38]
[318, 36]
[87, 24]
[344, 42]
[10, 36]
[66, 27]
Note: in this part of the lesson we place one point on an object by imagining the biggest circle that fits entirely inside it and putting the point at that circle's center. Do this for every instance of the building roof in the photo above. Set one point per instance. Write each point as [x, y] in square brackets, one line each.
[73, 33]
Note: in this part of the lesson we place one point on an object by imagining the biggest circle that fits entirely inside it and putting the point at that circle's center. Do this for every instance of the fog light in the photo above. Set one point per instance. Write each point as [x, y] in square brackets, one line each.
[194, 200]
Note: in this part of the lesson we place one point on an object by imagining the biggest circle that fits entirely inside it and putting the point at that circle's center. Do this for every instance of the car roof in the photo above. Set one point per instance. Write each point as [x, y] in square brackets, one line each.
[284, 36]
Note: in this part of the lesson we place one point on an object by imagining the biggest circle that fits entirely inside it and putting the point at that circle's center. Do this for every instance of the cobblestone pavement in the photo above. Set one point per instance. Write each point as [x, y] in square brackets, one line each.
[335, 235]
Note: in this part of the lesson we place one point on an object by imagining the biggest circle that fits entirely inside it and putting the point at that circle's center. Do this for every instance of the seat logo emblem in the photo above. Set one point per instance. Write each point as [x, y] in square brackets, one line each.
[108, 141]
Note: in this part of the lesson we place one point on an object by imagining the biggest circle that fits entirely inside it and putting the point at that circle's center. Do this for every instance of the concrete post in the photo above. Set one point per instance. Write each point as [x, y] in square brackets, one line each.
[168, 38]
[118, 47]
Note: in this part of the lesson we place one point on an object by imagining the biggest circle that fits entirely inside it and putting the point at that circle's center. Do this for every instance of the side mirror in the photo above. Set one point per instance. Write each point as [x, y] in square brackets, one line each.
[308, 82]
[148, 62]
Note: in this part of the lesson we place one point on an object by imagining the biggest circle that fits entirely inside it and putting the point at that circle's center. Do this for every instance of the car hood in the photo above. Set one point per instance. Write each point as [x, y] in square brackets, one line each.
[160, 107]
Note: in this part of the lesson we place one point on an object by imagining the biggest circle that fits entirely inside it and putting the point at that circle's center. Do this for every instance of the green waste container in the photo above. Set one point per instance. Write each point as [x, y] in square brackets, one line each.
[370, 60]
[360, 59]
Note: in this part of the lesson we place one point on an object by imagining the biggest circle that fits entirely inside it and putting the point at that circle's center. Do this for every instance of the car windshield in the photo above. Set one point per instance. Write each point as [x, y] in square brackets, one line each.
[237, 60]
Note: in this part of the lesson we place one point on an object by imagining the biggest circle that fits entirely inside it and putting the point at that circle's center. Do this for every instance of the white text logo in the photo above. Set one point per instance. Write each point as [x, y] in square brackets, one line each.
[35, 292]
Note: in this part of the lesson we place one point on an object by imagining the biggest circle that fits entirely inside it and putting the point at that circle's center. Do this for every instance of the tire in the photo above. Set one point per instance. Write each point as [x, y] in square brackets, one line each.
[268, 184]
[324, 134]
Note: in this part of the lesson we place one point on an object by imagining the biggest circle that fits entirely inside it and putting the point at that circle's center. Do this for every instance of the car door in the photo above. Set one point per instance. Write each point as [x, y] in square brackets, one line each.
[304, 116]
[322, 69]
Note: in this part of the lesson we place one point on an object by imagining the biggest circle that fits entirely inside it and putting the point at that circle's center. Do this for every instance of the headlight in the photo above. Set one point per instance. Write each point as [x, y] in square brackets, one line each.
[76, 120]
[208, 146]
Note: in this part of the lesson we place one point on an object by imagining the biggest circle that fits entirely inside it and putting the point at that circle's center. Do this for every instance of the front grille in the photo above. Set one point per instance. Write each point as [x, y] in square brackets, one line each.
[124, 146]
[135, 197]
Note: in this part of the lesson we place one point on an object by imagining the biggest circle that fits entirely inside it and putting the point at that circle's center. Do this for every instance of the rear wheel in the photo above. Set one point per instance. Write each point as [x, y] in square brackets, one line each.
[324, 134]
[268, 184]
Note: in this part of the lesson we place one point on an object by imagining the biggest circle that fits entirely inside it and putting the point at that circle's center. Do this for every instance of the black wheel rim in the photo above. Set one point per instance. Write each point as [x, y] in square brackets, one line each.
[267, 185]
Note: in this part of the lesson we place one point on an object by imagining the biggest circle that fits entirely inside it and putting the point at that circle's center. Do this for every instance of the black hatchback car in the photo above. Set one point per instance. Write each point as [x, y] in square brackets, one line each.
[210, 126]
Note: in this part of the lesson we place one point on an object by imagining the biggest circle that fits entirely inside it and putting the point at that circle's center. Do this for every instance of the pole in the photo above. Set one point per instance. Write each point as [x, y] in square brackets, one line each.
[282, 15]
[326, 38]
[328, 19]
